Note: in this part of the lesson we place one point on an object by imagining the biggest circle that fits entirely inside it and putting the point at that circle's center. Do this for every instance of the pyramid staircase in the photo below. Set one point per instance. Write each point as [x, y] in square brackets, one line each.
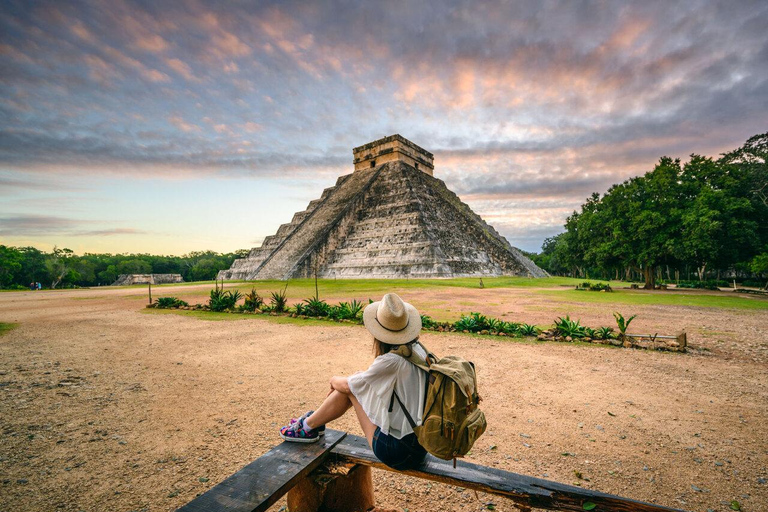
[389, 221]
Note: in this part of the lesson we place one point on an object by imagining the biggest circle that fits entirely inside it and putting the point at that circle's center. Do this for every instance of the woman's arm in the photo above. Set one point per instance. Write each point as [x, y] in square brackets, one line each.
[340, 384]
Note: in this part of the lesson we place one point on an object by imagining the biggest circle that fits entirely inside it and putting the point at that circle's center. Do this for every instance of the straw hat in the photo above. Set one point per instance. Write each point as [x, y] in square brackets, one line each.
[392, 321]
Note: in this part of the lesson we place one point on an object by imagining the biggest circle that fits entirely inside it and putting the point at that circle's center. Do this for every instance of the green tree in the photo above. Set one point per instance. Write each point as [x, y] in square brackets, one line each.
[753, 158]
[108, 275]
[134, 266]
[58, 264]
[633, 224]
[10, 265]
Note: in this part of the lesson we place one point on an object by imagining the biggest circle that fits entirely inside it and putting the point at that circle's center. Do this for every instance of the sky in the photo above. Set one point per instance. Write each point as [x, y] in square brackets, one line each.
[170, 127]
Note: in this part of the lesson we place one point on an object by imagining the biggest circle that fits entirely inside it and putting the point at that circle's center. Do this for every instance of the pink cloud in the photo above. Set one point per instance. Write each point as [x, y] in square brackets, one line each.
[124, 60]
[182, 125]
[151, 43]
[182, 68]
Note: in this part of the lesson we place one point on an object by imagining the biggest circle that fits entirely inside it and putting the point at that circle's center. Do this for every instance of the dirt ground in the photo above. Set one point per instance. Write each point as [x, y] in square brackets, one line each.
[105, 407]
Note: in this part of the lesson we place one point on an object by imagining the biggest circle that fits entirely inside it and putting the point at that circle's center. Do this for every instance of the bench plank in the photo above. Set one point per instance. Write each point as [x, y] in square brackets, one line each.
[264, 481]
[523, 490]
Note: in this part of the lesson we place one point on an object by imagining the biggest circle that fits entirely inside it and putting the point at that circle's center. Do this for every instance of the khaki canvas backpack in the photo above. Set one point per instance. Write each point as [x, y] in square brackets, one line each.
[452, 421]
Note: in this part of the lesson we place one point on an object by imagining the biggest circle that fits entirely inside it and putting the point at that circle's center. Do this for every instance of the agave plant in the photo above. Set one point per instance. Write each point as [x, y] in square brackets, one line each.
[567, 327]
[495, 325]
[528, 330]
[253, 301]
[623, 324]
[483, 322]
[355, 309]
[279, 300]
[590, 332]
[511, 328]
[604, 333]
[339, 312]
[221, 300]
[316, 307]
[170, 302]
[466, 323]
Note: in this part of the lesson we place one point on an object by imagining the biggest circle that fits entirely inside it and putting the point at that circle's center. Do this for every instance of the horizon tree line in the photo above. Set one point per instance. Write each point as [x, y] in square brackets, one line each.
[708, 217]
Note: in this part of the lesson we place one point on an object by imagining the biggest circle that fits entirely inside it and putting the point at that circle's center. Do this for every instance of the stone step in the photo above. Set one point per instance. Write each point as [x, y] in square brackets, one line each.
[386, 222]
[293, 249]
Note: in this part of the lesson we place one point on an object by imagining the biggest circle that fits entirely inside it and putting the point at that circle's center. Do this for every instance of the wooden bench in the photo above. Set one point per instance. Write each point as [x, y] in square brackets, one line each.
[261, 483]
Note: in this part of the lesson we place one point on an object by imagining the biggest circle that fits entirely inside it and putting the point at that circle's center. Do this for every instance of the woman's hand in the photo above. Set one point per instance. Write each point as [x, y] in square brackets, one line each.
[340, 384]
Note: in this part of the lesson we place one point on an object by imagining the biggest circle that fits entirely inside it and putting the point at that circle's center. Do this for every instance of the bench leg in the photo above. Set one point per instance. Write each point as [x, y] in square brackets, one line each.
[321, 492]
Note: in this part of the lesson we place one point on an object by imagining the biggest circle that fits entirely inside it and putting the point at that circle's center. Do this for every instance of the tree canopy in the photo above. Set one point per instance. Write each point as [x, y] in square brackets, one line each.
[705, 214]
[20, 266]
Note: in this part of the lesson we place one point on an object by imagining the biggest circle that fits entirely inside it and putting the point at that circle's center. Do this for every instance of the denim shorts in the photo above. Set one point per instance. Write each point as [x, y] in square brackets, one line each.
[405, 453]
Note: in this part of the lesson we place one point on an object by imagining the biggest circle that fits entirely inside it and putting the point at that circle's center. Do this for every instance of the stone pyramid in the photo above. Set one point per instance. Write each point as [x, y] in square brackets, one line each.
[390, 218]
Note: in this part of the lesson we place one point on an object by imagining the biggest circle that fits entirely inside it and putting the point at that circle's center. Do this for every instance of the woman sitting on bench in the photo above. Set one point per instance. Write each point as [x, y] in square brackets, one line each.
[372, 393]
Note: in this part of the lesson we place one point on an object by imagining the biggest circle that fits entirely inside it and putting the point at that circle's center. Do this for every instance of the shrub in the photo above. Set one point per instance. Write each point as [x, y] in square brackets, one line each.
[594, 287]
[495, 325]
[279, 301]
[567, 327]
[528, 330]
[253, 301]
[511, 328]
[466, 323]
[339, 312]
[170, 302]
[604, 333]
[221, 300]
[427, 322]
[316, 307]
[703, 285]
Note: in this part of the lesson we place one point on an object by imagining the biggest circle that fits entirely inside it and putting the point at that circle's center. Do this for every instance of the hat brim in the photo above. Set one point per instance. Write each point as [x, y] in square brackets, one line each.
[381, 333]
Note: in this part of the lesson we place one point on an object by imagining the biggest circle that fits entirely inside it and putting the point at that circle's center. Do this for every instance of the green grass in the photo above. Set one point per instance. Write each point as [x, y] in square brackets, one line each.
[202, 315]
[6, 327]
[223, 317]
[376, 287]
[668, 298]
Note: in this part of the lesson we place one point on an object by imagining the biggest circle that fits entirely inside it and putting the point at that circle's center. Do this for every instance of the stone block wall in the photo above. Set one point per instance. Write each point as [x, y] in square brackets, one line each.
[125, 279]
[391, 149]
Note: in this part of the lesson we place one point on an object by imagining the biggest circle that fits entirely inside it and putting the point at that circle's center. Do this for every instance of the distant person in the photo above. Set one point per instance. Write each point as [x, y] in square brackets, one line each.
[32, 286]
[371, 393]
[39, 286]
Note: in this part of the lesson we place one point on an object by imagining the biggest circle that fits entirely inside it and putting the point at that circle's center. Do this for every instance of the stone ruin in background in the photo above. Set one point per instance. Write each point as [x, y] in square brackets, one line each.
[124, 279]
[390, 218]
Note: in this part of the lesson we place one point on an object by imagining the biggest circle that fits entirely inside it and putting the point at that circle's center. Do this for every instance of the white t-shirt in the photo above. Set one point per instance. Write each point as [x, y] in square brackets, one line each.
[373, 389]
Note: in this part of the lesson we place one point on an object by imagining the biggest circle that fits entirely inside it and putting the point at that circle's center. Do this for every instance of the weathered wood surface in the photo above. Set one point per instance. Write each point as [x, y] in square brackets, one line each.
[264, 481]
[525, 491]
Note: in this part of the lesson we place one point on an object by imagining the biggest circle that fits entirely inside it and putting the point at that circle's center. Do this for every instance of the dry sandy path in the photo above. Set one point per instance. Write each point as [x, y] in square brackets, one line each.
[104, 407]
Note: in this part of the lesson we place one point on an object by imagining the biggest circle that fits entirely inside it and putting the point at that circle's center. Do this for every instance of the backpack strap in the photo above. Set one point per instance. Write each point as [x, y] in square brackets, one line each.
[406, 352]
[407, 414]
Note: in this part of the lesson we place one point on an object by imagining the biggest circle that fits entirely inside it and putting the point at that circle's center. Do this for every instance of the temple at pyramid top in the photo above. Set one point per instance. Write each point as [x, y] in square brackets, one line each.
[392, 148]
[390, 218]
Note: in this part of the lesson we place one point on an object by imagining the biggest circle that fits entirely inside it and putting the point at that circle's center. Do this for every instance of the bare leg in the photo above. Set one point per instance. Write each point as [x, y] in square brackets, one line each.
[334, 406]
[368, 427]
